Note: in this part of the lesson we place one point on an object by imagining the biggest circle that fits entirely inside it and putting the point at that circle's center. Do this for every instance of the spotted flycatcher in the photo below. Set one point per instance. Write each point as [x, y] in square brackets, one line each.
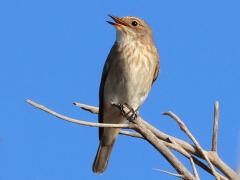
[129, 72]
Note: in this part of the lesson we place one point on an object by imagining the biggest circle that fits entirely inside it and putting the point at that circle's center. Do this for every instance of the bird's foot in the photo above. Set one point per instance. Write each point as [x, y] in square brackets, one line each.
[126, 111]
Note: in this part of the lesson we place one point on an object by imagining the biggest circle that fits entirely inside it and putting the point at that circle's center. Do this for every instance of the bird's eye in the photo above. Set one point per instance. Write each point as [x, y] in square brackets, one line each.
[134, 23]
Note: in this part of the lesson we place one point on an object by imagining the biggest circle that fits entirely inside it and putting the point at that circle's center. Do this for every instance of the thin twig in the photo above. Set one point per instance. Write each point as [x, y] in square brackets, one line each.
[132, 134]
[190, 158]
[215, 126]
[169, 173]
[206, 168]
[180, 149]
[189, 134]
[77, 121]
[86, 107]
[194, 169]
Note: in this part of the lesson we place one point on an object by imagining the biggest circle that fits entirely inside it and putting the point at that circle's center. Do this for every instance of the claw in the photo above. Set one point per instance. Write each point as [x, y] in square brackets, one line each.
[126, 111]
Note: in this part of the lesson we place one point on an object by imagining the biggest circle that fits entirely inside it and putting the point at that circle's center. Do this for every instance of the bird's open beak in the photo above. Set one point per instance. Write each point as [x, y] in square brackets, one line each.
[118, 22]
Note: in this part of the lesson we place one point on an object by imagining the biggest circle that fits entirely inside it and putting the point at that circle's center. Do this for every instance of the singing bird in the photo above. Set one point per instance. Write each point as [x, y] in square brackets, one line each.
[128, 74]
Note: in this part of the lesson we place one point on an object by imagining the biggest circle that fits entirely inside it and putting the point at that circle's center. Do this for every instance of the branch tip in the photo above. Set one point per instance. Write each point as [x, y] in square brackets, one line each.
[215, 126]
[169, 173]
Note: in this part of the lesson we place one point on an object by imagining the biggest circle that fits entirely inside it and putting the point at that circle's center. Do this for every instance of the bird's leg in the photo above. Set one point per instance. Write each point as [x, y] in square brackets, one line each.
[126, 111]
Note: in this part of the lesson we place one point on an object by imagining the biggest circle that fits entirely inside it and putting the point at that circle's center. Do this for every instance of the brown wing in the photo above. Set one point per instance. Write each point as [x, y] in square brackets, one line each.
[106, 69]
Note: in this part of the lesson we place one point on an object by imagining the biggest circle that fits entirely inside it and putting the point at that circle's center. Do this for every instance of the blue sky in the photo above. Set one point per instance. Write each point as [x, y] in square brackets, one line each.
[53, 51]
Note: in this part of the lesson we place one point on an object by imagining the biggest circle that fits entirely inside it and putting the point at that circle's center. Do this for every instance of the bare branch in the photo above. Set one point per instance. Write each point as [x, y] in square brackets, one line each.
[205, 167]
[216, 160]
[166, 140]
[215, 126]
[194, 169]
[190, 158]
[202, 165]
[77, 121]
[147, 134]
[157, 132]
[173, 145]
[193, 150]
[94, 110]
[132, 134]
[169, 173]
[91, 109]
[180, 149]
[194, 160]
[159, 145]
[189, 134]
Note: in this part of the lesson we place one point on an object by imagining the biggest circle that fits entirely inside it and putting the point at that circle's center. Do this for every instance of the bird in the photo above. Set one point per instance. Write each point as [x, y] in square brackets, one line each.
[128, 74]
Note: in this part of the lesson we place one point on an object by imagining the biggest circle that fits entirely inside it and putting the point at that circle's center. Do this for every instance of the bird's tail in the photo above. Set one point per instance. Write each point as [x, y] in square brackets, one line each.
[102, 157]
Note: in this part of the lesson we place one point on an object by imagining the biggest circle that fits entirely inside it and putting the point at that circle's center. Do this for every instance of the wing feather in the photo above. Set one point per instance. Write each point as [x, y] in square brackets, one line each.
[105, 72]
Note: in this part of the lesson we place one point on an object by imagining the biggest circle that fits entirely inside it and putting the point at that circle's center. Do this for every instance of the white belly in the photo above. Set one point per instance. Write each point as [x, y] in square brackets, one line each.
[129, 82]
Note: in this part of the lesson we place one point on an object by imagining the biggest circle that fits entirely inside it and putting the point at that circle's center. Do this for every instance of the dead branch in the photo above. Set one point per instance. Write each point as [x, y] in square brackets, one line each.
[169, 173]
[184, 128]
[169, 156]
[213, 157]
[215, 126]
[77, 121]
[163, 142]
[194, 169]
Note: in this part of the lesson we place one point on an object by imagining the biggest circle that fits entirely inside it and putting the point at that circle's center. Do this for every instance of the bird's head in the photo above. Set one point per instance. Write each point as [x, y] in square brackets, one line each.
[131, 28]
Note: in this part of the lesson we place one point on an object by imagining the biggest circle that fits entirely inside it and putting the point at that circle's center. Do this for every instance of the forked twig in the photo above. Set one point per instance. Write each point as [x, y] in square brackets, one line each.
[184, 128]
[189, 156]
